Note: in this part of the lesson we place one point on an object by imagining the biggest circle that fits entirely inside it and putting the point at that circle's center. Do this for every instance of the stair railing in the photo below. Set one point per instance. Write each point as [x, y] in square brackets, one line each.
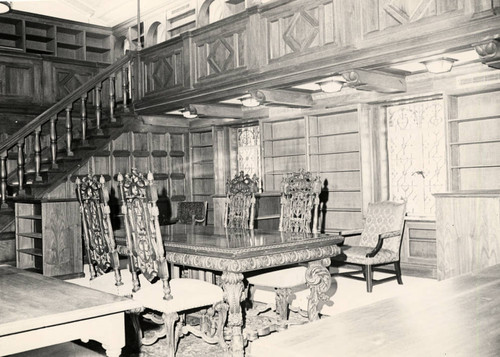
[122, 68]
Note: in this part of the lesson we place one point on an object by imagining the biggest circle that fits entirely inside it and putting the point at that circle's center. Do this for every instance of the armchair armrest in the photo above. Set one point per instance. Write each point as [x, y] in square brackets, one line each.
[351, 232]
[380, 242]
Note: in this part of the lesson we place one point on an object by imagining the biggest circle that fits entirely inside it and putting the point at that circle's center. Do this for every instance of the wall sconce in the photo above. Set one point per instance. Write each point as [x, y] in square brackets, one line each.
[5, 7]
[189, 112]
[439, 65]
[253, 99]
[331, 85]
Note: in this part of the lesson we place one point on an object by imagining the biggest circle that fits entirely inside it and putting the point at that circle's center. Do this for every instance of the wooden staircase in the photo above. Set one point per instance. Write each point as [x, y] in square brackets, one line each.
[35, 160]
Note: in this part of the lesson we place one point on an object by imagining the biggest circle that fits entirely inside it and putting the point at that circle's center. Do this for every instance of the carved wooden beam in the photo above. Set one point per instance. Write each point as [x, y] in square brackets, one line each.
[375, 81]
[288, 98]
[489, 52]
[218, 111]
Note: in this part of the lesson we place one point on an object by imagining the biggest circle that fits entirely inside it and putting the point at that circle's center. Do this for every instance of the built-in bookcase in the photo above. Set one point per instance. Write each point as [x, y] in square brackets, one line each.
[202, 168]
[474, 141]
[55, 37]
[283, 150]
[334, 146]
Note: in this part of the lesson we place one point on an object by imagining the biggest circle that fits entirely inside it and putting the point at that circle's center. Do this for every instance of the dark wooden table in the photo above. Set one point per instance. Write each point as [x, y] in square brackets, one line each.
[234, 252]
[38, 311]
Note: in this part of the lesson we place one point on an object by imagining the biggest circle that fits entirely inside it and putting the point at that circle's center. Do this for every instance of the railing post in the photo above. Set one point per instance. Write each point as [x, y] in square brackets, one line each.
[53, 142]
[20, 166]
[69, 131]
[3, 180]
[38, 154]
[125, 87]
[83, 110]
[98, 89]
[112, 98]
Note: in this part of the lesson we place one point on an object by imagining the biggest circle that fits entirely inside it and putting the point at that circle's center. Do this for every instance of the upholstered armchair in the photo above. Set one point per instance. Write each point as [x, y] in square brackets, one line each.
[299, 212]
[377, 244]
[165, 300]
[240, 201]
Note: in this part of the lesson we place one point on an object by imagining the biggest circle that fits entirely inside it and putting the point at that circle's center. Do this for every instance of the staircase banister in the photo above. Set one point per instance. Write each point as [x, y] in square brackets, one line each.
[63, 103]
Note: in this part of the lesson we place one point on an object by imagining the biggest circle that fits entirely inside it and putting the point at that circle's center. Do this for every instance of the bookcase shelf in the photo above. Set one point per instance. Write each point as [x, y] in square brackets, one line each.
[48, 237]
[56, 37]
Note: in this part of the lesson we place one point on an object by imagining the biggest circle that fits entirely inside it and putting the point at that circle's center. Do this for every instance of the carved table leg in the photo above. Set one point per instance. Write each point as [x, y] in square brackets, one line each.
[232, 284]
[319, 280]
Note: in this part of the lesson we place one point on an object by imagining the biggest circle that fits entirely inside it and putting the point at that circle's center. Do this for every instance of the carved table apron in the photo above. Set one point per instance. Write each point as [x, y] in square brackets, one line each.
[236, 251]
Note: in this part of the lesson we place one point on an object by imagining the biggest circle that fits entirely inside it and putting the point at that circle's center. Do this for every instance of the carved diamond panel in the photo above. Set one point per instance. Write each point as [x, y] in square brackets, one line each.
[221, 56]
[307, 28]
[163, 72]
[381, 14]
[68, 81]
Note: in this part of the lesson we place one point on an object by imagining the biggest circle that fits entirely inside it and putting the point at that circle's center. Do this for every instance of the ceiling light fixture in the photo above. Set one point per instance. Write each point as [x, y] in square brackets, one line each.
[439, 65]
[253, 99]
[189, 113]
[5, 7]
[331, 85]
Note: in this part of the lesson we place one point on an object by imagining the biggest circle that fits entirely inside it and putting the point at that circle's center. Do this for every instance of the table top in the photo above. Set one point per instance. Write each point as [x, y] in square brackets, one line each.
[244, 250]
[29, 300]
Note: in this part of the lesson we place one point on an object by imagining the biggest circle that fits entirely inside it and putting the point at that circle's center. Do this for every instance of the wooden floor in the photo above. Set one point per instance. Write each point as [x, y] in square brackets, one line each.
[460, 317]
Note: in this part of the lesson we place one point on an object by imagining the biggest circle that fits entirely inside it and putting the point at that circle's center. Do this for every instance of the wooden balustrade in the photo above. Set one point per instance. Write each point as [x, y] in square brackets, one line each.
[33, 129]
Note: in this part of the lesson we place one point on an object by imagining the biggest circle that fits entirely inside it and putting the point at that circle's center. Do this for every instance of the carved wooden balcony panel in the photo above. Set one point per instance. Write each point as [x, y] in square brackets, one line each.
[164, 70]
[382, 14]
[222, 53]
[294, 32]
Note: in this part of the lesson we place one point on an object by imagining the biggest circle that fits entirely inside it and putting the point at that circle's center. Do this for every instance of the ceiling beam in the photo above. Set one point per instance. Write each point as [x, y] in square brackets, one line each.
[287, 97]
[218, 110]
[375, 81]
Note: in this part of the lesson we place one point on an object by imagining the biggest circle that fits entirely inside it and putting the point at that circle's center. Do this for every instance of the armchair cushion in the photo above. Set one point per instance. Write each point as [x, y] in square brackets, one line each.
[187, 294]
[186, 211]
[281, 278]
[357, 254]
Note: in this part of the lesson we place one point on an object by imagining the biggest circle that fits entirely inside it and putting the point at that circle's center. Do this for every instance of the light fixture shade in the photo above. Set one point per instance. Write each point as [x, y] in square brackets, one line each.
[250, 102]
[439, 65]
[189, 113]
[254, 99]
[5, 6]
[331, 85]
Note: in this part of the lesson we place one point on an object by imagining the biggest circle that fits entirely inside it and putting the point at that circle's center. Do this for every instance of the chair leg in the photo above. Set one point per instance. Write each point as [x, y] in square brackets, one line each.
[397, 268]
[282, 302]
[369, 277]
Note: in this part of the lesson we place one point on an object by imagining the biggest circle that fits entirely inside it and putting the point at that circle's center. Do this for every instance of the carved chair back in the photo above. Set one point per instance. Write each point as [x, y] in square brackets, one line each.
[144, 241]
[382, 217]
[192, 212]
[98, 235]
[299, 202]
[240, 201]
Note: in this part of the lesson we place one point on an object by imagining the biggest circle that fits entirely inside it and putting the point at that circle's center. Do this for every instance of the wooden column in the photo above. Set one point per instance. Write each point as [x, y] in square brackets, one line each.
[3, 180]
[53, 142]
[38, 154]
[98, 89]
[20, 166]
[125, 87]
[112, 98]
[69, 131]
[83, 114]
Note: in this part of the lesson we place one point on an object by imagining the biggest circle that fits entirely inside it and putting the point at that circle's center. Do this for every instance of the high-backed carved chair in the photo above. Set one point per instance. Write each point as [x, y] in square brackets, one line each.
[151, 284]
[299, 212]
[240, 201]
[194, 213]
[379, 243]
[103, 266]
